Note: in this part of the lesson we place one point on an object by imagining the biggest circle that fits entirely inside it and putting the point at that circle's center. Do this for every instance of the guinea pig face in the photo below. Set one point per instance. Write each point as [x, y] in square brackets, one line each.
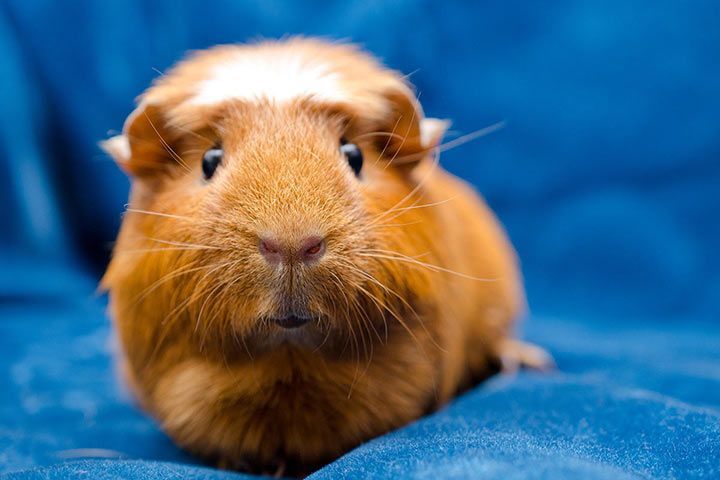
[281, 191]
[264, 210]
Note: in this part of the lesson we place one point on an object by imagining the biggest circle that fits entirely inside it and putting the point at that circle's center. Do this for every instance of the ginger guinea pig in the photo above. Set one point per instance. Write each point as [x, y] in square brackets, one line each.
[296, 274]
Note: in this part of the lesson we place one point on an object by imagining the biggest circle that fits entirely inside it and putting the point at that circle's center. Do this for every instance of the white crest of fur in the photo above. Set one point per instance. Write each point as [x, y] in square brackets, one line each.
[277, 78]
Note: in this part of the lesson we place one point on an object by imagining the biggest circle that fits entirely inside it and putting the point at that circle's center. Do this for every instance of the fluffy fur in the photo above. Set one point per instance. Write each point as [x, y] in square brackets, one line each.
[415, 297]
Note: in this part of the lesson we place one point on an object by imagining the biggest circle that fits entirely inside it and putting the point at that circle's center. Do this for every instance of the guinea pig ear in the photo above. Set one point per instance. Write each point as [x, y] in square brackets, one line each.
[412, 137]
[145, 145]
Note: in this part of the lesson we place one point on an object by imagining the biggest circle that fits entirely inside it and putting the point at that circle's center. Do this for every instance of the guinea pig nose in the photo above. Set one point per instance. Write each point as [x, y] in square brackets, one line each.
[312, 248]
[271, 250]
[308, 250]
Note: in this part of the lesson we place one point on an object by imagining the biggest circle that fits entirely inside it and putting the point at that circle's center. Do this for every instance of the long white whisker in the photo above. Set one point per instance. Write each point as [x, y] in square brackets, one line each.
[404, 258]
[158, 214]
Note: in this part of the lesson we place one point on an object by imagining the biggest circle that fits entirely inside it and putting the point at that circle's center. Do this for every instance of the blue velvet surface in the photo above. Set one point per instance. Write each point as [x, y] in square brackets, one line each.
[607, 178]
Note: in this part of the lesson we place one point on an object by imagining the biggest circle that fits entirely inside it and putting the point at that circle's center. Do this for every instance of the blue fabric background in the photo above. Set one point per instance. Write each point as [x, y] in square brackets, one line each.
[607, 178]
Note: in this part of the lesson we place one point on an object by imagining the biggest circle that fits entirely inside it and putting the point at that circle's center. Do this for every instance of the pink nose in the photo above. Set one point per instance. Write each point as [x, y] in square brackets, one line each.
[308, 250]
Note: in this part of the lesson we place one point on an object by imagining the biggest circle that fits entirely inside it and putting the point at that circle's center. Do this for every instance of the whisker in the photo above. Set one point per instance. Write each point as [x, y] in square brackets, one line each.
[359, 374]
[210, 294]
[390, 225]
[174, 314]
[435, 268]
[192, 132]
[416, 207]
[159, 214]
[469, 137]
[423, 180]
[341, 288]
[166, 145]
[353, 335]
[165, 249]
[397, 317]
[402, 143]
[405, 302]
[165, 278]
[390, 137]
[184, 244]
[377, 134]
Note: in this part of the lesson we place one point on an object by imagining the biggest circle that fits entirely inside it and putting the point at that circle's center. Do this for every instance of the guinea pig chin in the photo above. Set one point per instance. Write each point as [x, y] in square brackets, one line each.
[291, 304]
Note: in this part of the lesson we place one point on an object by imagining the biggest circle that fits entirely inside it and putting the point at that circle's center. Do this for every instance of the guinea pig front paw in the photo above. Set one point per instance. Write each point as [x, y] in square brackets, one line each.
[516, 354]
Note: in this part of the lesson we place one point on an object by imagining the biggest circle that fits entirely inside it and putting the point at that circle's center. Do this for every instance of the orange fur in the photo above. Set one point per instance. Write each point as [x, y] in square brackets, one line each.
[416, 294]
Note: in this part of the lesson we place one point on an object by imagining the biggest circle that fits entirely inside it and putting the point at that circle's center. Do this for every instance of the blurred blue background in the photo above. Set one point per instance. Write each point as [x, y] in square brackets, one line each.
[607, 177]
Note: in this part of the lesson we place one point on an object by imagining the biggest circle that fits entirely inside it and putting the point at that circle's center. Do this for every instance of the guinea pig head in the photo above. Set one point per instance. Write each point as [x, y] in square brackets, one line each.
[262, 177]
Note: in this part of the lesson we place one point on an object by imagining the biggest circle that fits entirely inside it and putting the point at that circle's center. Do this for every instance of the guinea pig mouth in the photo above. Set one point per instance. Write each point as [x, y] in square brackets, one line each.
[292, 321]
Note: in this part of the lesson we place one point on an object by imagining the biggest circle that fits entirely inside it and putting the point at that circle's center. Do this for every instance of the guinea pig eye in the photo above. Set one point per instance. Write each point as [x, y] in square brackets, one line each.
[353, 154]
[211, 160]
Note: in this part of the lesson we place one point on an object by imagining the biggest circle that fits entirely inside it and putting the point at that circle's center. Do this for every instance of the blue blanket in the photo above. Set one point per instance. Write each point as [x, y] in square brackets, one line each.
[607, 178]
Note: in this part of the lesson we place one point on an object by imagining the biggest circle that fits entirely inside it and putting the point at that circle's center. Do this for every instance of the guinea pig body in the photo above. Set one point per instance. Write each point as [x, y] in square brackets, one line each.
[296, 274]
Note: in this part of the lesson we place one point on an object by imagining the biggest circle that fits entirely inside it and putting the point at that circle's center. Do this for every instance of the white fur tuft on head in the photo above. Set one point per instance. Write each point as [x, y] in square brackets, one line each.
[277, 78]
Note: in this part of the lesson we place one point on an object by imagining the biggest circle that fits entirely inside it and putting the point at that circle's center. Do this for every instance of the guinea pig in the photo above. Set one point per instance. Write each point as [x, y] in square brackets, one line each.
[295, 273]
